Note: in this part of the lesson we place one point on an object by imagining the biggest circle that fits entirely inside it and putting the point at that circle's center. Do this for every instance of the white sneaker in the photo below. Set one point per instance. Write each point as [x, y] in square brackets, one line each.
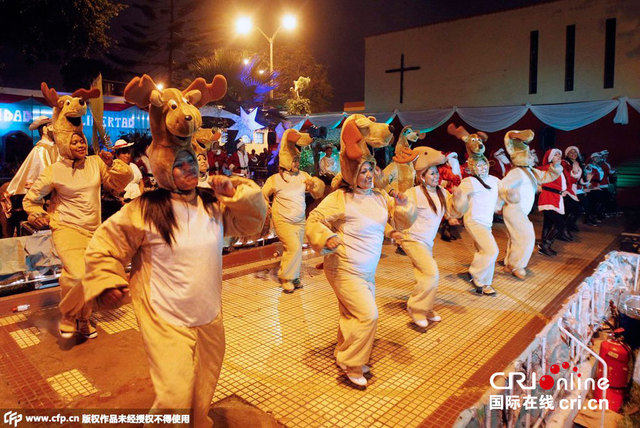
[353, 374]
[434, 317]
[420, 322]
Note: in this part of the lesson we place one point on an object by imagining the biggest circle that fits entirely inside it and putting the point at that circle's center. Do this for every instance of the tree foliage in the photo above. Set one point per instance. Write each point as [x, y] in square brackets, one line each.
[57, 30]
[292, 61]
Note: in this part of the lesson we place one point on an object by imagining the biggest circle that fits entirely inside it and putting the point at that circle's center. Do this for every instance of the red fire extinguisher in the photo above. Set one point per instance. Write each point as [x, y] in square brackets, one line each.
[617, 355]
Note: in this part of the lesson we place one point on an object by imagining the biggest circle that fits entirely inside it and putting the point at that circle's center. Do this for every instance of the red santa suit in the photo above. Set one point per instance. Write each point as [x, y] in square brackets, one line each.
[552, 204]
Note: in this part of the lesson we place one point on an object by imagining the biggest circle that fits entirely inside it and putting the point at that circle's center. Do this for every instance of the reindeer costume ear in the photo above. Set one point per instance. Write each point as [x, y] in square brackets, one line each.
[351, 136]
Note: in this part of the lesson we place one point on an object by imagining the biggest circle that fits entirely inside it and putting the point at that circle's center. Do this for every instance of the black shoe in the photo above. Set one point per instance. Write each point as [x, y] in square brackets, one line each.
[565, 237]
[546, 250]
[573, 227]
[400, 251]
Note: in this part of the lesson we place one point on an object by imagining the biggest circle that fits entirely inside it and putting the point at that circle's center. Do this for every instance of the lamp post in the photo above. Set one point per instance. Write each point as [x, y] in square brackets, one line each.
[244, 25]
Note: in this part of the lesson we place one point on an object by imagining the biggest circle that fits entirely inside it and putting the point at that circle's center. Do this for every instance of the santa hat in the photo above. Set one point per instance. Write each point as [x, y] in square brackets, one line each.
[568, 149]
[289, 152]
[549, 154]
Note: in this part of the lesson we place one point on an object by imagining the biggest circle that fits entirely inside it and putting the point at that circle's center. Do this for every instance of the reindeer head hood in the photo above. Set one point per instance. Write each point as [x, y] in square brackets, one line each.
[517, 145]
[288, 152]
[474, 144]
[359, 132]
[426, 157]
[173, 117]
[67, 114]
[204, 139]
[407, 137]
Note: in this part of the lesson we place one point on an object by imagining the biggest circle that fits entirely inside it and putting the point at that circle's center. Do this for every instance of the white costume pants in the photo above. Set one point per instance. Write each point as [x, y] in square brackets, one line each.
[292, 236]
[522, 237]
[484, 259]
[358, 314]
[426, 271]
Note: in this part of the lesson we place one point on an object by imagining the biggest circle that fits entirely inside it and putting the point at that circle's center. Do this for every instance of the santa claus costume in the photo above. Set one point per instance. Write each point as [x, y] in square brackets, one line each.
[551, 203]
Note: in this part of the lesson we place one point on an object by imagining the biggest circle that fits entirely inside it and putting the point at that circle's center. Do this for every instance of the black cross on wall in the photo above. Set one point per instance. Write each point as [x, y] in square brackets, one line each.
[401, 70]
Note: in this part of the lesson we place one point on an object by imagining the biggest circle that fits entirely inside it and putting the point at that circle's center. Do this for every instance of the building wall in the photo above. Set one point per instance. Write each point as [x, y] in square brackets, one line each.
[484, 60]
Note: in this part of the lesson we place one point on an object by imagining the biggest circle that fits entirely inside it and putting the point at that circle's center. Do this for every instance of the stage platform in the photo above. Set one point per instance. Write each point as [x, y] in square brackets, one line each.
[279, 356]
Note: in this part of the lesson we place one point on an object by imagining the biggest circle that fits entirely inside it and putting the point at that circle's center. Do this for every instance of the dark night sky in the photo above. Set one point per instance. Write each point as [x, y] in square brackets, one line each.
[334, 31]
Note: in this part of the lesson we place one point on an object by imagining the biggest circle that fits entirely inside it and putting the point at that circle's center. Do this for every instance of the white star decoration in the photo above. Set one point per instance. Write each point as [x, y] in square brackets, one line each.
[246, 124]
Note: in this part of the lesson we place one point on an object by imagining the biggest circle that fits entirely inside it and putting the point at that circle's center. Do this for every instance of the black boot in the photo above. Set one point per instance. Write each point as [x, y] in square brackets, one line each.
[565, 236]
[544, 248]
[445, 233]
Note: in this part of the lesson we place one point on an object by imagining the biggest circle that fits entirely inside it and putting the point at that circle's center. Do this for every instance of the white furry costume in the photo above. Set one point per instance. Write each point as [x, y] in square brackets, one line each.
[288, 210]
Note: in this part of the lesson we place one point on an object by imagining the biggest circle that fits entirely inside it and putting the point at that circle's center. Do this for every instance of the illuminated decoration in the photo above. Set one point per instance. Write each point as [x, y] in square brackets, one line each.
[245, 124]
[260, 88]
[17, 116]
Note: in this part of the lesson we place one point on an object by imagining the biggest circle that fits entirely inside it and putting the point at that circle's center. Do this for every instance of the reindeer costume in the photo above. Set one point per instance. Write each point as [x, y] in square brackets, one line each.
[173, 237]
[481, 191]
[524, 180]
[288, 210]
[401, 175]
[354, 220]
[74, 211]
[432, 202]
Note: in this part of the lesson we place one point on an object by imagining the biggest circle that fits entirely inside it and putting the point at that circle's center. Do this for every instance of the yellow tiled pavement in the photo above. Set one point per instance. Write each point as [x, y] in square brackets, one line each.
[279, 353]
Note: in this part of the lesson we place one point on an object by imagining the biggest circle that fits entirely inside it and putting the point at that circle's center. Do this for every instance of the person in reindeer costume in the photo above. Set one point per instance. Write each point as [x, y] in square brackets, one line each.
[524, 180]
[202, 142]
[288, 188]
[401, 176]
[173, 238]
[432, 202]
[74, 183]
[348, 227]
[479, 202]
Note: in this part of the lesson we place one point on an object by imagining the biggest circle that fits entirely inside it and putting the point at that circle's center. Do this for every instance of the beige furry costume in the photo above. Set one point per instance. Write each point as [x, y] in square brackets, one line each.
[524, 180]
[175, 289]
[288, 210]
[361, 219]
[417, 241]
[74, 186]
[400, 175]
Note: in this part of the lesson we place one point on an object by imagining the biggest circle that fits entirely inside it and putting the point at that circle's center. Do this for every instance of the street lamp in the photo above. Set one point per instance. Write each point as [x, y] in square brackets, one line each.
[244, 25]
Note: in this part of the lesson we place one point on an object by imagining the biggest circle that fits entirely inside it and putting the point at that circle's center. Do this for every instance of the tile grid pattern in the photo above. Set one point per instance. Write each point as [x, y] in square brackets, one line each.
[280, 347]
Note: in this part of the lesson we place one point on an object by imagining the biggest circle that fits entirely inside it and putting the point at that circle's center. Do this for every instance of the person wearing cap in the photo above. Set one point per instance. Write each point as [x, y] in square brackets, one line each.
[43, 154]
[239, 160]
[74, 183]
[348, 227]
[288, 188]
[432, 201]
[551, 203]
[124, 151]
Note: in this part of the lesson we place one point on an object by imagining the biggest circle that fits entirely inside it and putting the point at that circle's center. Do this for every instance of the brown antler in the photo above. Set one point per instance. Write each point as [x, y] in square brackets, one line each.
[406, 155]
[87, 94]
[458, 132]
[210, 91]
[138, 91]
[482, 135]
[50, 95]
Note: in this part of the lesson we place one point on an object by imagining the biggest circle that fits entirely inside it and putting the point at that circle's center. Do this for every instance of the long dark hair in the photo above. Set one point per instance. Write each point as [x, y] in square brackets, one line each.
[158, 212]
[441, 198]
